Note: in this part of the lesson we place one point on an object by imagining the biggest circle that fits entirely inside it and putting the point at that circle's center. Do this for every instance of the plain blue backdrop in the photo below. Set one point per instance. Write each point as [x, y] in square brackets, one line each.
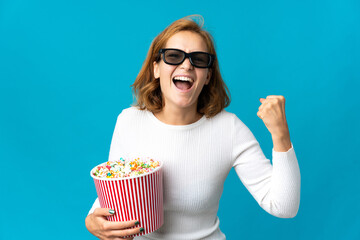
[66, 68]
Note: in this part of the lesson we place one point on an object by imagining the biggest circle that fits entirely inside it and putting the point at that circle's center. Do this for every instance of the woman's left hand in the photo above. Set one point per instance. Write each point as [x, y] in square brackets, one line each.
[272, 112]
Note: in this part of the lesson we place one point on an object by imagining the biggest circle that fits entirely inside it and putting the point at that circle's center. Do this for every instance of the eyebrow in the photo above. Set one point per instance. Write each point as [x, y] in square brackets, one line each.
[188, 52]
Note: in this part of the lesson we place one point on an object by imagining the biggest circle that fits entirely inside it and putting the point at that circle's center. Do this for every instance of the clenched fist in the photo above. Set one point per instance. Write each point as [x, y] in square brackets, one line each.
[272, 113]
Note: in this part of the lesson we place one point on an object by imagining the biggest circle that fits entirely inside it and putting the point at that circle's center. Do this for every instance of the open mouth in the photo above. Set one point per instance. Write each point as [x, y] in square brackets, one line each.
[183, 83]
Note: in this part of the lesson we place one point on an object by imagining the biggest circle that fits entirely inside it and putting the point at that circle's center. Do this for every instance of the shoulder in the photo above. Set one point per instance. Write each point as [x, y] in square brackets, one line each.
[131, 112]
[225, 117]
[130, 115]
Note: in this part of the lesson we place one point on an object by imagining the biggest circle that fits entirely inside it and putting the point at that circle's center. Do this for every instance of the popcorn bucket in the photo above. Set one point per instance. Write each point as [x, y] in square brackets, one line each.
[134, 198]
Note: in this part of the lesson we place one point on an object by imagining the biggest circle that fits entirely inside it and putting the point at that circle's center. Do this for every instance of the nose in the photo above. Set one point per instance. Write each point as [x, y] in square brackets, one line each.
[186, 64]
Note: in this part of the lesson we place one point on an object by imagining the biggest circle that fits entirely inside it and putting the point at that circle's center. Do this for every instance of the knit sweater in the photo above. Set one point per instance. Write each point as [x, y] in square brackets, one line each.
[197, 159]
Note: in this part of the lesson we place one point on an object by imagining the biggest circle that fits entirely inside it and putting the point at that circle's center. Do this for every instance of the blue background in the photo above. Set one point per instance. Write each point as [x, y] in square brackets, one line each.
[66, 68]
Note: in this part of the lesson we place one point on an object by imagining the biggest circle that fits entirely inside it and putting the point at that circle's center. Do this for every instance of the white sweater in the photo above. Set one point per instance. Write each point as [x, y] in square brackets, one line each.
[197, 159]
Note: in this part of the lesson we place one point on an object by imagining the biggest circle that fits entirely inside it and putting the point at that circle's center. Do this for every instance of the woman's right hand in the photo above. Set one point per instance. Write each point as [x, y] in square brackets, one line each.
[99, 226]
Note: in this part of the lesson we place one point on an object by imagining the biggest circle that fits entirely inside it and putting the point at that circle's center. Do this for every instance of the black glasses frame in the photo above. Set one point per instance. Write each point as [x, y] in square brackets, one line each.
[188, 55]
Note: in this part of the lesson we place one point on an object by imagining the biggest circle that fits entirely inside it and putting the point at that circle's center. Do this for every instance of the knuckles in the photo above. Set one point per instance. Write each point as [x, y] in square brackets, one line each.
[106, 234]
[278, 98]
[96, 211]
[125, 233]
[276, 102]
[105, 226]
[272, 102]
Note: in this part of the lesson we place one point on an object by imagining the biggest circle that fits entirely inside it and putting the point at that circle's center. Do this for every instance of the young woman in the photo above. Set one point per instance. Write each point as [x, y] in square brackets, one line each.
[179, 119]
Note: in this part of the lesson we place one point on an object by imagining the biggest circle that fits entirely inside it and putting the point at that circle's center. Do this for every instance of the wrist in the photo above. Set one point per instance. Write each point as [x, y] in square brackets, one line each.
[282, 143]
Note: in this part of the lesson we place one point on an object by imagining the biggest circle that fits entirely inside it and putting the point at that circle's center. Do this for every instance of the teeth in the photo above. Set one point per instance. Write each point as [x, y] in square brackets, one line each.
[183, 79]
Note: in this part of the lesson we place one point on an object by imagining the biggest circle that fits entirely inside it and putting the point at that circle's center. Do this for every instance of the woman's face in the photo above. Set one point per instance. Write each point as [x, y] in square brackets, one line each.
[182, 94]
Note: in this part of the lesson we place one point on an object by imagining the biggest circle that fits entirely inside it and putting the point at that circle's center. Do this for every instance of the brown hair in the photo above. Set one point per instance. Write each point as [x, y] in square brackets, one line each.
[213, 98]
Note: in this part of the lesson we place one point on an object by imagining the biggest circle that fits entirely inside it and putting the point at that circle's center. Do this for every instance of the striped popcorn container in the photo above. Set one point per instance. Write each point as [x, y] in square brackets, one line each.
[134, 198]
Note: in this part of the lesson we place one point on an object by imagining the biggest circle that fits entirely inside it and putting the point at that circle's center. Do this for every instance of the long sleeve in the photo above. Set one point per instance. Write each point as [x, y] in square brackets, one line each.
[275, 187]
[95, 205]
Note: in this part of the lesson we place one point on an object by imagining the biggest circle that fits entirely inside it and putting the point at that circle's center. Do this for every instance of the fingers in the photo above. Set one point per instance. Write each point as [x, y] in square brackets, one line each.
[272, 99]
[272, 104]
[122, 234]
[106, 230]
[103, 212]
[119, 225]
[276, 96]
[121, 230]
[280, 97]
[263, 104]
[125, 233]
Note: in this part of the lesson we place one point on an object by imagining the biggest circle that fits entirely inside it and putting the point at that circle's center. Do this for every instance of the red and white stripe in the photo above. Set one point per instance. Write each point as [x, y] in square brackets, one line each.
[138, 198]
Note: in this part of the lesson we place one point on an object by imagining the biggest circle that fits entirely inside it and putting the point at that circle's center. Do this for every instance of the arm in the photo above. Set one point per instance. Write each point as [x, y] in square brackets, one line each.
[275, 187]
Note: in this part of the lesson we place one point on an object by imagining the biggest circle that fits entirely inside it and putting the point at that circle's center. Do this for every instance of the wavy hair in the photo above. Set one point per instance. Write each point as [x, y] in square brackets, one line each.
[214, 96]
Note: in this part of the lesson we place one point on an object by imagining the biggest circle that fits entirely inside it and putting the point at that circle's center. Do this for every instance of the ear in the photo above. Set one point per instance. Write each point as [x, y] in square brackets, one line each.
[156, 70]
[208, 77]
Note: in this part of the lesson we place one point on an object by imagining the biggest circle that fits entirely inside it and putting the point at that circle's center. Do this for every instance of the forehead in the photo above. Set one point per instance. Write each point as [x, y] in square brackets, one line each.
[187, 41]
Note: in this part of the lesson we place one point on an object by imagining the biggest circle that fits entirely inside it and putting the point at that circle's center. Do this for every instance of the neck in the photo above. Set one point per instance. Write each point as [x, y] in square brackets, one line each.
[178, 116]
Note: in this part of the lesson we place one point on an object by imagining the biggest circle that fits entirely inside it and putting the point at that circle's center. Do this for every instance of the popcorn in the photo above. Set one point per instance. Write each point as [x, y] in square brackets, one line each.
[125, 168]
[133, 188]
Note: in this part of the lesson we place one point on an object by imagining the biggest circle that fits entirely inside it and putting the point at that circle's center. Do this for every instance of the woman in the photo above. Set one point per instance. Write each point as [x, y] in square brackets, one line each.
[179, 118]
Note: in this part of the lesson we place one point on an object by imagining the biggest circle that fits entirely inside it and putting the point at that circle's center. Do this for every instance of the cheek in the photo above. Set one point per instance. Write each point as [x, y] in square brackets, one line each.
[165, 77]
[166, 71]
[203, 77]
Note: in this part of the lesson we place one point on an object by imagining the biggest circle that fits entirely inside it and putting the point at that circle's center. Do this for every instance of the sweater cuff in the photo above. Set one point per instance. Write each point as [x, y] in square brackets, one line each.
[291, 149]
[282, 156]
[94, 206]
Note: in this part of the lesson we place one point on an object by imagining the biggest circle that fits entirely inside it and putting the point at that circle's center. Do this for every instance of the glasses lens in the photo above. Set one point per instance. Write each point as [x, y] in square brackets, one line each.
[200, 59]
[174, 56]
